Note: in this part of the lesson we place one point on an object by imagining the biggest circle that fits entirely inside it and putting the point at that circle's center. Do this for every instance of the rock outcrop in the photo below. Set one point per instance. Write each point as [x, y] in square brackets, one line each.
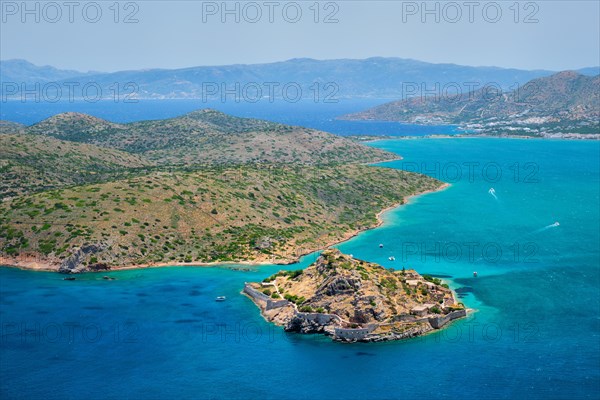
[75, 263]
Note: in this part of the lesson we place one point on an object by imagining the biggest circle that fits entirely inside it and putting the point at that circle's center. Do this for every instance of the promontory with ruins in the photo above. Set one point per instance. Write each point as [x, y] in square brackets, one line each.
[354, 300]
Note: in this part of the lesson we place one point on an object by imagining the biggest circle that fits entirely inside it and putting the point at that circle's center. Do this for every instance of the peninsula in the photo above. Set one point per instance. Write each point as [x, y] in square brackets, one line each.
[354, 300]
[83, 194]
[563, 105]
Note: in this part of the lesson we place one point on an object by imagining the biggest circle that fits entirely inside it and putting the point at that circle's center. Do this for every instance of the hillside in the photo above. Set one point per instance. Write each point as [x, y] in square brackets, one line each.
[243, 214]
[72, 126]
[11, 127]
[566, 102]
[352, 299]
[376, 77]
[31, 163]
[81, 193]
[210, 137]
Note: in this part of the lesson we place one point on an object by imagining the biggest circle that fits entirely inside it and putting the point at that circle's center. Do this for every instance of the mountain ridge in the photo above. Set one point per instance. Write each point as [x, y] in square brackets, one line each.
[375, 77]
[210, 137]
[566, 102]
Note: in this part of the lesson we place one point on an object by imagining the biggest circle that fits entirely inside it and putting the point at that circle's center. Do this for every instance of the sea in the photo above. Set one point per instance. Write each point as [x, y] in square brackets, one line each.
[516, 234]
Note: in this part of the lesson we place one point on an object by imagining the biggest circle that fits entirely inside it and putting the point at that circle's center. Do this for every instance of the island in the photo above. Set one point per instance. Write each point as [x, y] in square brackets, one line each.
[354, 300]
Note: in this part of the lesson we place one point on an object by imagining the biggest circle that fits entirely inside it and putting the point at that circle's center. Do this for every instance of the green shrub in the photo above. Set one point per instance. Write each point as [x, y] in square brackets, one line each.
[294, 299]
[429, 278]
[47, 246]
[295, 274]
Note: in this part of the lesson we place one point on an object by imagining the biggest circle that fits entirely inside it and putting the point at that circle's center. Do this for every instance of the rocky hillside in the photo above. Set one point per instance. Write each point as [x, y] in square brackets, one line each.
[566, 102]
[361, 296]
[210, 137]
[32, 163]
[72, 126]
[79, 192]
[11, 127]
[357, 291]
[250, 213]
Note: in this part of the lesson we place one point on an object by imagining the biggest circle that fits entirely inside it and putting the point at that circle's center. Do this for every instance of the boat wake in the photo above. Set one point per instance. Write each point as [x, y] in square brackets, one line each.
[554, 225]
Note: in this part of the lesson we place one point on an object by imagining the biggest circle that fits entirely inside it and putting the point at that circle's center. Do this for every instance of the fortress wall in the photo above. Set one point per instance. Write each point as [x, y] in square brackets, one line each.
[269, 303]
[321, 319]
[255, 294]
[272, 304]
[352, 334]
[438, 322]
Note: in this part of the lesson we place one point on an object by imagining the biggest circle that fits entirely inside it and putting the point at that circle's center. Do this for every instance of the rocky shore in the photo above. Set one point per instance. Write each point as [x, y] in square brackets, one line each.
[355, 301]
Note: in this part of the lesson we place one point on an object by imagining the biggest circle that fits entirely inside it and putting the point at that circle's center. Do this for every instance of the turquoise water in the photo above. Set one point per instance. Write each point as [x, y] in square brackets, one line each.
[158, 333]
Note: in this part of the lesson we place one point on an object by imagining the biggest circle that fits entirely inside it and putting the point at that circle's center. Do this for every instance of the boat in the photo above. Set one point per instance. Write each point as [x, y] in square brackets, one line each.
[221, 298]
[392, 258]
[69, 278]
[381, 245]
[475, 274]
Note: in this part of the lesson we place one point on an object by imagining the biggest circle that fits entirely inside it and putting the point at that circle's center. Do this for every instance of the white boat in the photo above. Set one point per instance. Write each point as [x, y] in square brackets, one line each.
[221, 298]
[392, 258]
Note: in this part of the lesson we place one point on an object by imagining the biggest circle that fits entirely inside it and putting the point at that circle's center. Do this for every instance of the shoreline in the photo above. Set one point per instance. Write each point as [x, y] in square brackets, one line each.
[463, 136]
[418, 316]
[41, 266]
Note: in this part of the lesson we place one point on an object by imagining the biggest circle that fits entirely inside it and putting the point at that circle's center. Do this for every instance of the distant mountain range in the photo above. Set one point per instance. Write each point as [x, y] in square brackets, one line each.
[563, 103]
[24, 71]
[320, 80]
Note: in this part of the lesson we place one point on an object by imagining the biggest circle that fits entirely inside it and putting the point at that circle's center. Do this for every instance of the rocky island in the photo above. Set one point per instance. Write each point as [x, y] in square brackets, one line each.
[354, 300]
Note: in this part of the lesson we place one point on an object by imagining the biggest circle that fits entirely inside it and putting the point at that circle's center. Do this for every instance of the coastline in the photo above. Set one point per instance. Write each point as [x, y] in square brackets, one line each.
[410, 316]
[481, 136]
[29, 264]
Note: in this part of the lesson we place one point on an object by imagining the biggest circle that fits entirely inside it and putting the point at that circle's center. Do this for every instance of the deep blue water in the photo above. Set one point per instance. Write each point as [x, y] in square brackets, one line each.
[305, 113]
[536, 333]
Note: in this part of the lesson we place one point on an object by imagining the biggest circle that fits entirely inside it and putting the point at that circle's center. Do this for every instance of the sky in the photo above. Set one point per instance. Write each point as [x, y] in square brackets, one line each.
[110, 36]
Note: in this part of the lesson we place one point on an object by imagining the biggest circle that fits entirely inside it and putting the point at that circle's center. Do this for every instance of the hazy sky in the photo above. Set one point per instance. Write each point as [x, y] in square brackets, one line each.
[86, 35]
